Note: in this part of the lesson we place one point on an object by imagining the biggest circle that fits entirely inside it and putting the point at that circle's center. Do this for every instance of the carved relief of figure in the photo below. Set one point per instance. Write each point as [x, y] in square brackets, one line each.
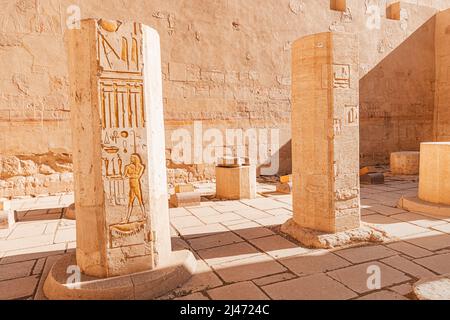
[134, 172]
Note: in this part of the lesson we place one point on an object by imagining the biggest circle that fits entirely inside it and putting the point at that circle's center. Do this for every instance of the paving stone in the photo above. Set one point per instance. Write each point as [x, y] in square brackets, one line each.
[203, 279]
[418, 219]
[253, 214]
[386, 210]
[16, 270]
[393, 227]
[438, 263]
[33, 253]
[432, 240]
[366, 253]
[238, 291]
[50, 261]
[203, 212]
[27, 230]
[251, 230]
[65, 235]
[408, 267]
[179, 212]
[39, 266]
[263, 203]
[229, 216]
[18, 288]
[409, 249]
[202, 231]
[216, 240]
[316, 262]
[356, 277]
[402, 289]
[279, 212]
[228, 253]
[273, 221]
[314, 287]
[273, 279]
[443, 228]
[249, 268]
[194, 297]
[186, 222]
[278, 247]
[383, 295]
[229, 206]
[27, 243]
[236, 222]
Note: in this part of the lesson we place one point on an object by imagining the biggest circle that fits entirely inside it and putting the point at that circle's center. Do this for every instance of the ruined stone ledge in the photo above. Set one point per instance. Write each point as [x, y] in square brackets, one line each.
[416, 205]
[435, 288]
[139, 286]
[316, 239]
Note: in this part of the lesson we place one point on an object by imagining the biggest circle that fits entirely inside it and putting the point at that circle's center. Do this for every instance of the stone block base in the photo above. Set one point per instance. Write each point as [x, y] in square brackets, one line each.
[285, 188]
[372, 178]
[69, 212]
[436, 288]
[187, 199]
[416, 205]
[405, 163]
[316, 239]
[236, 183]
[138, 286]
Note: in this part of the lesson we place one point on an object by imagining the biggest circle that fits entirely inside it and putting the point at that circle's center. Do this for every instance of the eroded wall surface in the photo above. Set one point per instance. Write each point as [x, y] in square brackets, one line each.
[226, 64]
[442, 112]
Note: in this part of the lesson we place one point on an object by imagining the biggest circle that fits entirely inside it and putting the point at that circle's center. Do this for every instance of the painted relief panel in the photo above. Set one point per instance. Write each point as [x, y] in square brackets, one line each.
[123, 121]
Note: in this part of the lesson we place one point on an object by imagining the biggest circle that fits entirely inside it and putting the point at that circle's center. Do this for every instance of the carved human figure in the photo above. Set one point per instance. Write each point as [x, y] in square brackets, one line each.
[134, 172]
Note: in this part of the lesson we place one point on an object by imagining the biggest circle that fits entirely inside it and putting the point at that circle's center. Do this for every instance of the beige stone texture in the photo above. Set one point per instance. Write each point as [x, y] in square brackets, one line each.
[433, 288]
[434, 184]
[118, 129]
[185, 199]
[415, 204]
[442, 86]
[236, 183]
[405, 163]
[325, 127]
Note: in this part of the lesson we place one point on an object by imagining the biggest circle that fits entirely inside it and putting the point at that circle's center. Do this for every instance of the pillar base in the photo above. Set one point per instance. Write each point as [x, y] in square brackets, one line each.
[316, 239]
[436, 288]
[416, 205]
[138, 286]
[69, 212]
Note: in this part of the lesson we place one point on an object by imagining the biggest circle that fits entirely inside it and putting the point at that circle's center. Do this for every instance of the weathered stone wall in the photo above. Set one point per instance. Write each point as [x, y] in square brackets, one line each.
[225, 63]
[442, 112]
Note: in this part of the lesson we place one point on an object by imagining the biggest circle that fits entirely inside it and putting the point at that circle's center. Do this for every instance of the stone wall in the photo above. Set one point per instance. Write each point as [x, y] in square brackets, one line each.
[226, 64]
[442, 112]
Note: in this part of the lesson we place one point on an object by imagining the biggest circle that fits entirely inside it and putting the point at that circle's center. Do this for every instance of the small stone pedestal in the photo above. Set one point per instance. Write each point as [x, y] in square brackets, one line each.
[405, 163]
[235, 183]
[325, 142]
[434, 181]
[123, 234]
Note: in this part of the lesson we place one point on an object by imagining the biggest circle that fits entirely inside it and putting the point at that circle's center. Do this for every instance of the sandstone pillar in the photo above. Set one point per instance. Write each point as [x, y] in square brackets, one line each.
[434, 183]
[325, 138]
[119, 153]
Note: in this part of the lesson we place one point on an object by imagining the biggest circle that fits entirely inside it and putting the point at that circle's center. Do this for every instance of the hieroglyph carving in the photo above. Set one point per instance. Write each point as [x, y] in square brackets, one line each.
[123, 120]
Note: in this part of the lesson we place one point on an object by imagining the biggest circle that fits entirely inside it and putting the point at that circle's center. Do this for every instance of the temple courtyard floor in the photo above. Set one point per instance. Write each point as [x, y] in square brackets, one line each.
[242, 255]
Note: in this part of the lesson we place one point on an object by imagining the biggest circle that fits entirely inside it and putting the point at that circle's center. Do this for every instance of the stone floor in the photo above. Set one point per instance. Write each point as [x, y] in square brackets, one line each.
[242, 255]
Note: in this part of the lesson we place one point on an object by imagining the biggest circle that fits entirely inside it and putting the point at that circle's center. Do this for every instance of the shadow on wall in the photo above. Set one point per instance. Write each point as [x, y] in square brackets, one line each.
[397, 98]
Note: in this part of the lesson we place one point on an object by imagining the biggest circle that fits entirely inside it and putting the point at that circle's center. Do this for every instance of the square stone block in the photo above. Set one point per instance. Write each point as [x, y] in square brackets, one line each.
[434, 184]
[236, 183]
